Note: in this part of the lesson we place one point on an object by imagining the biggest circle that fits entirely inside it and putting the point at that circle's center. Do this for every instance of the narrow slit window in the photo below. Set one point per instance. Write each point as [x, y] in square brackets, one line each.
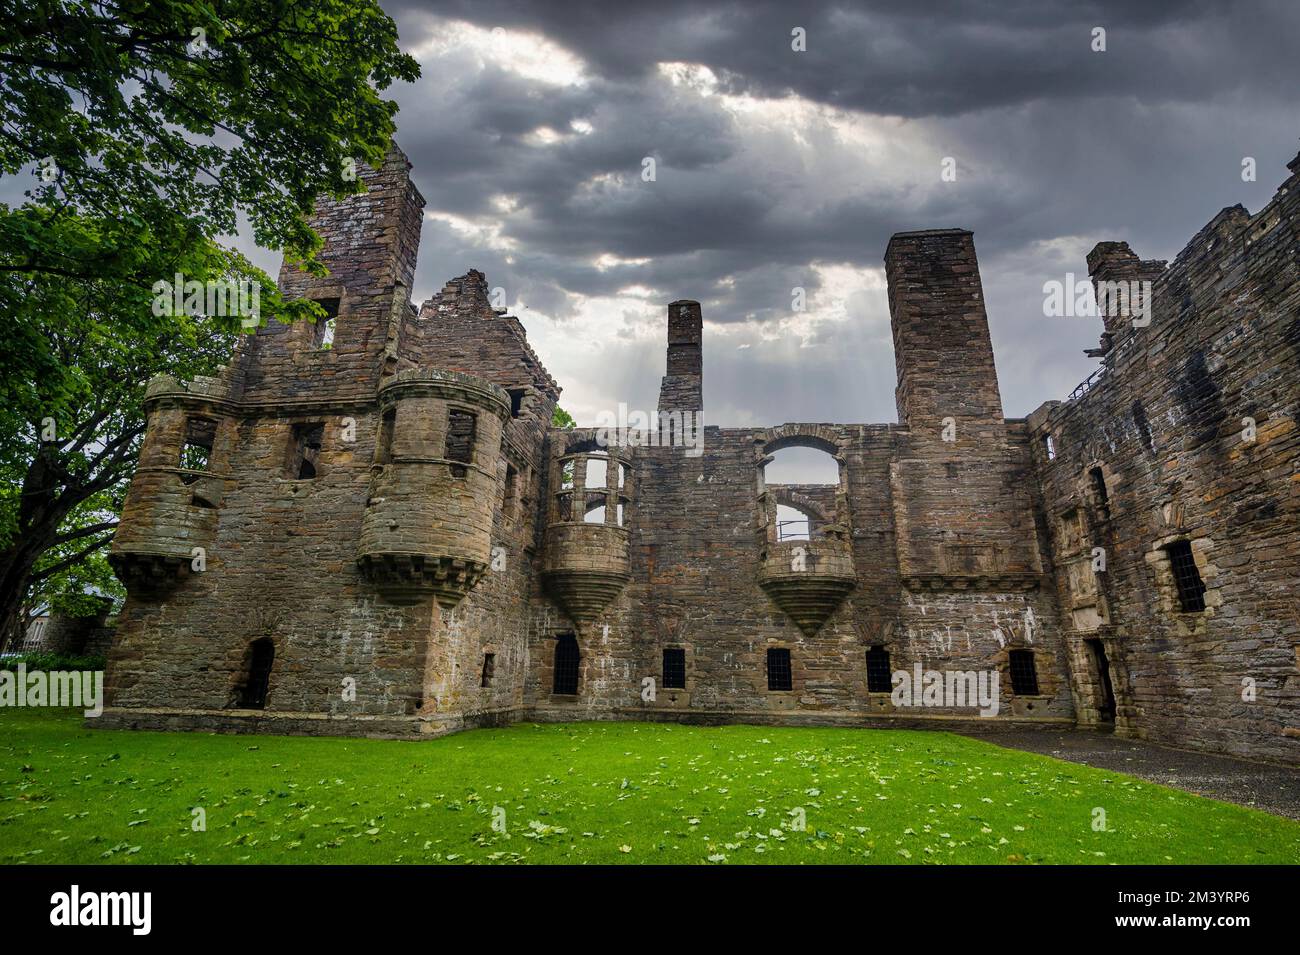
[779, 676]
[879, 678]
[1024, 675]
[566, 665]
[384, 447]
[1191, 589]
[489, 669]
[304, 450]
[460, 440]
[1049, 447]
[510, 502]
[674, 675]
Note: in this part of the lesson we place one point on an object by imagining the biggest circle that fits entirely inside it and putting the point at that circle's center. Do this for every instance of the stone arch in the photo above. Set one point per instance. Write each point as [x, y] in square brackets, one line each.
[786, 495]
[818, 436]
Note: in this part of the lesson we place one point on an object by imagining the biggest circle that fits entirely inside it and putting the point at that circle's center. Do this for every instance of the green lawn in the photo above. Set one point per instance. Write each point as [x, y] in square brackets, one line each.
[592, 792]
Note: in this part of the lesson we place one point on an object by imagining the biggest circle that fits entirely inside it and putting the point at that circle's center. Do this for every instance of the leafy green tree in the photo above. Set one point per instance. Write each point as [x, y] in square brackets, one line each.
[174, 115]
[71, 414]
[149, 128]
[562, 419]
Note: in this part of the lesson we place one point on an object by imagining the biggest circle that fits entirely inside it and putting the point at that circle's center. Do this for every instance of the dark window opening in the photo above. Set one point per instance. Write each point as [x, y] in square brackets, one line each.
[565, 507]
[779, 676]
[489, 669]
[566, 665]
[1099, 489]
[323, 333]
[879, 676]
[460, 440]
[196, 451]
[674, 668]
[1191, 589]
[198, 500]
[304, 450]
[384, 448]
[1024, 675]
[516, 401]
[257, 674]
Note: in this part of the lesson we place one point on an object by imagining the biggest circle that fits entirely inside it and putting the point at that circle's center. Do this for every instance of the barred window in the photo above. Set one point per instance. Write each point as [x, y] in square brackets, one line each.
[778, 669]
[566, 665]
[1191, 589]
[1024, 675]
[878, 672]
[674, 674]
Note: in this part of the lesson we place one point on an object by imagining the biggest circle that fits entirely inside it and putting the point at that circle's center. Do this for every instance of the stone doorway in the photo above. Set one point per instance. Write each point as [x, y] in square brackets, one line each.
[1106, 705]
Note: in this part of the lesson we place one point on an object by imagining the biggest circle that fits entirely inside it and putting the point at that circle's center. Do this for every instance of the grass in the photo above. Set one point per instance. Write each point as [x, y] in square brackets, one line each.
[592, 793]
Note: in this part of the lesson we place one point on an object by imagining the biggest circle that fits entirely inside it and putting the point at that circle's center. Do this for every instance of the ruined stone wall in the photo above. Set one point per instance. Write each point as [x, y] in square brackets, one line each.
[279, 547]
[696, 547]
[411, 552]
[1157, 450]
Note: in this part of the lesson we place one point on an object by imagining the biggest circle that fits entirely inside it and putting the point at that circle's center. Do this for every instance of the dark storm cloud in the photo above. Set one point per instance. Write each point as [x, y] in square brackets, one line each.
[917, 59]
[1057, 147]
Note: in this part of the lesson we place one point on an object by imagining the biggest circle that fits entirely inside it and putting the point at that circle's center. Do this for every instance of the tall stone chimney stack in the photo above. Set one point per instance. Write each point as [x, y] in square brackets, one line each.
[942, 348]
[682, 387]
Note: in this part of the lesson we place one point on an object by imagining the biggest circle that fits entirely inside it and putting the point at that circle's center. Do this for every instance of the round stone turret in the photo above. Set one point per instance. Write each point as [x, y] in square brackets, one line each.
[428, 521]
[169, 518]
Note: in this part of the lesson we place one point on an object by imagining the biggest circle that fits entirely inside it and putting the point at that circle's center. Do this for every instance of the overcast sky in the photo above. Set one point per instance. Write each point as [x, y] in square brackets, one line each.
[777, 168]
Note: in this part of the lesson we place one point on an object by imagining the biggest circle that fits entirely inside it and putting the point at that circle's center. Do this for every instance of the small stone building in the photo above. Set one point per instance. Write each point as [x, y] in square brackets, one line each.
[369, 526]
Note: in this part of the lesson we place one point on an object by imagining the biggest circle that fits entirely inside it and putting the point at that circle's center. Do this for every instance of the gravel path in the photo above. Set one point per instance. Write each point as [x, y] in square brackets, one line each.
[1274, 789]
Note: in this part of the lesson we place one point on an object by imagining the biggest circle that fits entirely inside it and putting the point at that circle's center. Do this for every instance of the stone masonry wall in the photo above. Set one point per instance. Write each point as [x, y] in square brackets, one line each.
[1163, 431]
[951, 540]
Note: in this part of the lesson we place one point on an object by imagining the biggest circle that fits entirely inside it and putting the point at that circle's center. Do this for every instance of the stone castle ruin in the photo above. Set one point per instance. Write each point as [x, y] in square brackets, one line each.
[369, 526]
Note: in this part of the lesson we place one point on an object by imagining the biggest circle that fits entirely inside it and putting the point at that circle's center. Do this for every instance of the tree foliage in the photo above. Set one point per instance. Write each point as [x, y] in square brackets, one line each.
[562, 419]
[149, 130]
